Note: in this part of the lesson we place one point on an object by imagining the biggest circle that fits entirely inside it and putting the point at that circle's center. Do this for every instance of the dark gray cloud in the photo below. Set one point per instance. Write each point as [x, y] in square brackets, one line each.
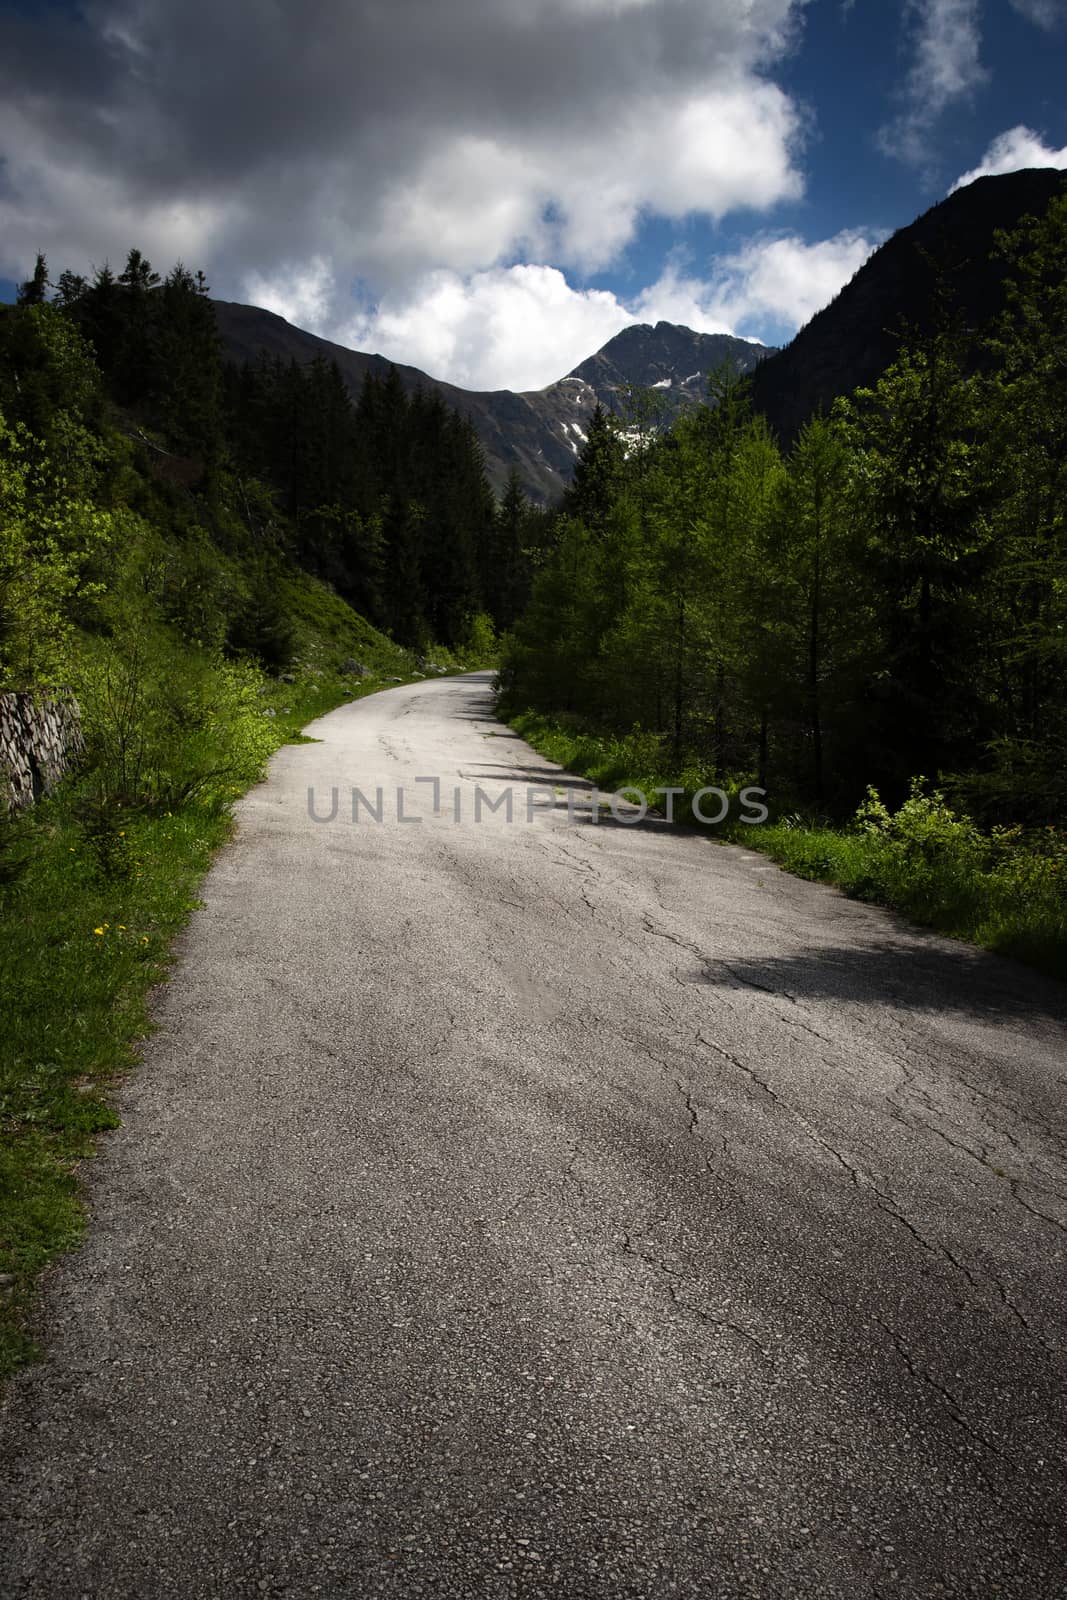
[444, 156]
[385, 137]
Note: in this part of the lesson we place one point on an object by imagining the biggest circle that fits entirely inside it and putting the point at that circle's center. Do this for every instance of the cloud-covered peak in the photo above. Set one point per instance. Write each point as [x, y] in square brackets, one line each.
[521, 326]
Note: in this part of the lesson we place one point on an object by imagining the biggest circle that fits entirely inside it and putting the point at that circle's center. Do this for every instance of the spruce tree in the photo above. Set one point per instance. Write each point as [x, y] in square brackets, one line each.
[34, 292]
[597, 473]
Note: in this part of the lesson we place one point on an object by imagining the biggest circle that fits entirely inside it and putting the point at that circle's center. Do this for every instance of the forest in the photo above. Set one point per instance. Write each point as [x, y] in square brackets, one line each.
[885, 601]
[384, 498]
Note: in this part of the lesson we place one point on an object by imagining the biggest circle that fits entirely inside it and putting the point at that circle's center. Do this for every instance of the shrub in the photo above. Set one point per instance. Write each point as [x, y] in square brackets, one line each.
[262, 626]
[480, 645]
[165, 725]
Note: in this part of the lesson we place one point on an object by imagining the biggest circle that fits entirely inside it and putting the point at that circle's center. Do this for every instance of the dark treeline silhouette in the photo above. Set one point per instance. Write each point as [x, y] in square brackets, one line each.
[387, 496]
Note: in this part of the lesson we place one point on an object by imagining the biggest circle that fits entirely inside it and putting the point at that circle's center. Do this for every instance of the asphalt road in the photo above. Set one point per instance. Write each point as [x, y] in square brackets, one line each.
[553, 1208]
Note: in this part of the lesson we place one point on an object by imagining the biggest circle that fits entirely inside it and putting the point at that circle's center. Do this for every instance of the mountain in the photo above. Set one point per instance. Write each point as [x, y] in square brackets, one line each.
[667, 357]
[541, 431]
[945, 253]
[851, 342]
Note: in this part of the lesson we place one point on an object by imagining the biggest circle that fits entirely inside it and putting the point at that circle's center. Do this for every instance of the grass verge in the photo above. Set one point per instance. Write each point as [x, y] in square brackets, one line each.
[1005, 891]
[85, 934]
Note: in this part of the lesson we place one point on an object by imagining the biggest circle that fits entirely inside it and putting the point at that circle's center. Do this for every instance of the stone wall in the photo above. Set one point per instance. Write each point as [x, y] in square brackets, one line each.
[40, 741]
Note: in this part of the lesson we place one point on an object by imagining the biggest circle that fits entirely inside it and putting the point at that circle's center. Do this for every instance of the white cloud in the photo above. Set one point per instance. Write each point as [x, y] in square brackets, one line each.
[400, 158]
[302, 294]
[1012, 151]
[518, 327]
[1047, 14]
[946, 67]
[92, 213]
[522, 327]
[775, 285]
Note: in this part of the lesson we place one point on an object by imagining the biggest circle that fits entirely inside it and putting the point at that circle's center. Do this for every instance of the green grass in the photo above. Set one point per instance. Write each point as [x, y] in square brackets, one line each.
[86, 929]
[78, 956]
[327, 629]
[1005, 891]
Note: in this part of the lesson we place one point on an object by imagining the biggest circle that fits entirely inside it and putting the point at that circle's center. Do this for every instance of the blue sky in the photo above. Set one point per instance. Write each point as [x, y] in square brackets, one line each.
[489, 189]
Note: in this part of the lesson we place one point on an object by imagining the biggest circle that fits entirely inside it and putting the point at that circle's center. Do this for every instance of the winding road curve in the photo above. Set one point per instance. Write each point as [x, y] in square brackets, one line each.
[551, 1208]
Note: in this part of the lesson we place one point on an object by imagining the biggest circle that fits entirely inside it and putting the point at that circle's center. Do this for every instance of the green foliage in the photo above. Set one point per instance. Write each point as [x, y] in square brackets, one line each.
[598, 473]
[99, 816]
[386, 497]
[639, 613]
[1026, 453]
[383, 497]
[46, 370]
[510, 553]
[888, 599]
[13, 858]
[262, 626]
[165, 724]
[921, 497]
[48, 540]
[1003, 890]
[480, 645]
[922, 854]
[328, 631]
[34, 292]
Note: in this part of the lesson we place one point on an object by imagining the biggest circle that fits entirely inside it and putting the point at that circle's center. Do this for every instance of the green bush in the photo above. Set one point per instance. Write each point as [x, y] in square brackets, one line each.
[165, 724]
[480, 646]
[1004, 890]
[261, 626]
[925, 855]
[48, 539]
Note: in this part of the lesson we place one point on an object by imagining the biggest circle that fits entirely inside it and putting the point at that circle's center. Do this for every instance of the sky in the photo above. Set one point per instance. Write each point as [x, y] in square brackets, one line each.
[491, 189]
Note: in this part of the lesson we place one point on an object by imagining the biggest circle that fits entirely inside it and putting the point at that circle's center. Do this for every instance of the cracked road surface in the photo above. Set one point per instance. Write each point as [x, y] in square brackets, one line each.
[553, 1208]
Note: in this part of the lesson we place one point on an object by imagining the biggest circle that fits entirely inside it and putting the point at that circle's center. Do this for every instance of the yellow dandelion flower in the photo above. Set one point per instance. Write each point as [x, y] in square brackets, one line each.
[98, 930]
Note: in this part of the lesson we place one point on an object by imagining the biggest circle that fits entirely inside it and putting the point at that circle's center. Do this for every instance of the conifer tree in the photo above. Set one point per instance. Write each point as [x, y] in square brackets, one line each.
[34, 292]
[597, 473]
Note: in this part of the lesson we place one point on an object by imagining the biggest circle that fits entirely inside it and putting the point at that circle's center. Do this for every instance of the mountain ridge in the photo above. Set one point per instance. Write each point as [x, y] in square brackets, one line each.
[945, 251]
[537, 431]
[849, 342]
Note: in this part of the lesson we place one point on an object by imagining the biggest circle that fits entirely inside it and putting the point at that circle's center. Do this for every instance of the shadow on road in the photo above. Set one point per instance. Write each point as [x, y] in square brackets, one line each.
[915, 975]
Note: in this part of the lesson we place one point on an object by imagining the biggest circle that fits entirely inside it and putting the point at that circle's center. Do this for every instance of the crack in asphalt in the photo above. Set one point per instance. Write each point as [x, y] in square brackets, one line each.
[883, 1201]
[630, 1248]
